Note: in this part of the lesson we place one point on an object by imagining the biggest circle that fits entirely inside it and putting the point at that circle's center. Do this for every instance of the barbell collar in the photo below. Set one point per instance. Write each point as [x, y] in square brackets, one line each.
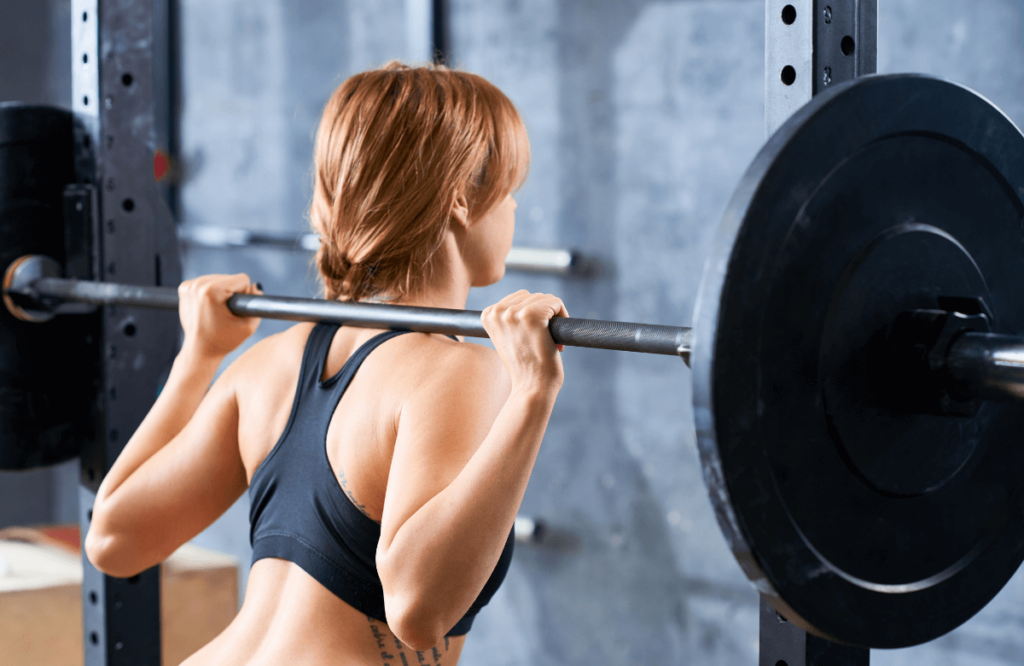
[992, 364]
[55, 292]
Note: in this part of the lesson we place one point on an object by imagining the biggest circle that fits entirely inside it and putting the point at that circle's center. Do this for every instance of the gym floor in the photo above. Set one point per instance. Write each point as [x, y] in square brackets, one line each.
[643, 116]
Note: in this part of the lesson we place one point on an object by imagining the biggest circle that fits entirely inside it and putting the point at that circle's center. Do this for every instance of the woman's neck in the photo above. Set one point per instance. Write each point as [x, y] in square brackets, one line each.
[450, 286]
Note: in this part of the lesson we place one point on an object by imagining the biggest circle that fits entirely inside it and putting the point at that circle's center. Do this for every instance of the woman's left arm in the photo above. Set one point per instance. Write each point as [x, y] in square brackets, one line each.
[182, 467]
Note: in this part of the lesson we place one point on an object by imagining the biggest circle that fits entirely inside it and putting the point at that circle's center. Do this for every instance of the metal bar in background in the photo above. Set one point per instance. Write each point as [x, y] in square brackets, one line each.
[592, 333]
[567, 263]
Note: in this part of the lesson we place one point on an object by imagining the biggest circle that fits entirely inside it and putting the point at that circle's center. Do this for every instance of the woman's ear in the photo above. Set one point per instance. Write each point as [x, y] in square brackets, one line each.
[460, 210]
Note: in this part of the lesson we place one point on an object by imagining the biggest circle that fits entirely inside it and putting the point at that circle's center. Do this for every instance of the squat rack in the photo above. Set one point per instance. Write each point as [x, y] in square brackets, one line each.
[124, 93]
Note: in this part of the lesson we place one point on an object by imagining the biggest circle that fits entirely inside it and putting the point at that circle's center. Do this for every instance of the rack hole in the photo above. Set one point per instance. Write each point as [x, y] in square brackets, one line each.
[118, 645]
[93, 599]
[781, 662]
[126, 79]
[788, 14]
[85, 16]
[94, 638]
[90, 514]
[85, 58]
[85, 100]
[91, 474]
[114, 434]
[788, 75]
[847, 45]
[128, 205]
[133, 580]
[129, 329]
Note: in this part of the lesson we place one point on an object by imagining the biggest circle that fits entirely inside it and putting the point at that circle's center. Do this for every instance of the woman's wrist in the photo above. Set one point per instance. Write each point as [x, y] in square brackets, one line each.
[193, 357]
[535, 394]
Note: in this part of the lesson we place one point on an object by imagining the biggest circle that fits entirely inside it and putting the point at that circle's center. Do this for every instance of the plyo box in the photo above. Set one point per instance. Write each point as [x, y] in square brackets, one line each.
[41, 598]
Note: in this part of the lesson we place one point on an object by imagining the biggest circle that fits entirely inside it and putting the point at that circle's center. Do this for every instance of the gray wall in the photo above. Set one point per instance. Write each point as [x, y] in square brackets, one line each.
[642, 116]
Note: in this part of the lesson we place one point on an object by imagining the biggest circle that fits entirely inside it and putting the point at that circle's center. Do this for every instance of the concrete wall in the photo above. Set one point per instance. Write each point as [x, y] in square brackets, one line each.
[643, 115]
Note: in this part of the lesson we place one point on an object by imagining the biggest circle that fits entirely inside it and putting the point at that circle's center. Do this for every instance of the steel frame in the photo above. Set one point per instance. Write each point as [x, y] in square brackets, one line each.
[122, 92]
[811, 46]
[821, 43]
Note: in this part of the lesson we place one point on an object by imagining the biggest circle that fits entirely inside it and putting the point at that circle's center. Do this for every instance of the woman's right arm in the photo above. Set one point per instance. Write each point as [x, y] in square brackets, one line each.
[466, 447]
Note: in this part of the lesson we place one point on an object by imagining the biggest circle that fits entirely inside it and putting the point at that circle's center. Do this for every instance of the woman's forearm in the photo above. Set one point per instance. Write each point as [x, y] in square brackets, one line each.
[187, 383]
[442, 556]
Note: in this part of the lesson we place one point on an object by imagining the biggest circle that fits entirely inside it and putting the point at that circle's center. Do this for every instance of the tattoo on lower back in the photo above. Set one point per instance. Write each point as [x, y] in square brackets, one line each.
[344, 486]
[389, 659]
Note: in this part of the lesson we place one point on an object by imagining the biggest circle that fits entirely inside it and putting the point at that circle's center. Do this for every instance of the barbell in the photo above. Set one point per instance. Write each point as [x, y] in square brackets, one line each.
[34, 291]
[856, 354]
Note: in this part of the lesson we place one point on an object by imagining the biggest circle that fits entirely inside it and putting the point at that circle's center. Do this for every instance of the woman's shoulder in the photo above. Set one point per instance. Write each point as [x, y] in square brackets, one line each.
[440, 360]
[279, 351]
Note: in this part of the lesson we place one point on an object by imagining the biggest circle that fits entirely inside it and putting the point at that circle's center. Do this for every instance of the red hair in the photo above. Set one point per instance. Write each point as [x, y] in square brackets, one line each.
[395, 147]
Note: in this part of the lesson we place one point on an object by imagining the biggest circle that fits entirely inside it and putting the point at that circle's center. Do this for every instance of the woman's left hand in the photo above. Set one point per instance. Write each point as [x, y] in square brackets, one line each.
[211, 330]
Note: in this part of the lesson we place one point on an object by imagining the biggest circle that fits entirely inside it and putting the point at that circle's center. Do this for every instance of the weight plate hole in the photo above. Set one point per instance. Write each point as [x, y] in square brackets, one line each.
[788, 75]
[128, 205]
[847, 45]
[788, 14]
[126, 79]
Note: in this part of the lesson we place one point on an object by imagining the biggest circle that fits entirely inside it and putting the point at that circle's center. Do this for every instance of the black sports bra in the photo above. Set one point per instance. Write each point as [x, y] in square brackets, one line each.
[298, 512]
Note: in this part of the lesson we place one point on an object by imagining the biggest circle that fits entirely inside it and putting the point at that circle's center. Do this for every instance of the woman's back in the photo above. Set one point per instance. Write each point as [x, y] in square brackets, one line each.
[286, 612]
[428, 452]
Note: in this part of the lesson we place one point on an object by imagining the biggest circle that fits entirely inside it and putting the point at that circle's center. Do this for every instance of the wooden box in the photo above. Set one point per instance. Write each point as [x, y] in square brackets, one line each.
[41, 598]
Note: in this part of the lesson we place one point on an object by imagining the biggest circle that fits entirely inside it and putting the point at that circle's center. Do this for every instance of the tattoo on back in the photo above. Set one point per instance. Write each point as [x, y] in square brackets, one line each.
[389, 659]
[344, 486]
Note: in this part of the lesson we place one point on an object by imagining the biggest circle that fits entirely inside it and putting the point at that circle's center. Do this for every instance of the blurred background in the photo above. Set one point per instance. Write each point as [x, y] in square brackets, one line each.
[643, 116]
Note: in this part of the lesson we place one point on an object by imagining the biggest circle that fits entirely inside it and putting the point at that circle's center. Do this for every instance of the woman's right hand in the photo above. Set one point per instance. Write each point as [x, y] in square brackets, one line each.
[518, 327]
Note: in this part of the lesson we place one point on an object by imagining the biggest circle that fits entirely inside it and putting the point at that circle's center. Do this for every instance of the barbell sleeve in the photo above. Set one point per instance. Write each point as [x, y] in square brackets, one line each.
[992, 364]
[572, 332]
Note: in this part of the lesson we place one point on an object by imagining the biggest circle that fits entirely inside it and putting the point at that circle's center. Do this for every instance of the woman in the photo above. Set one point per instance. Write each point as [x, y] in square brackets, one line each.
[382, 500]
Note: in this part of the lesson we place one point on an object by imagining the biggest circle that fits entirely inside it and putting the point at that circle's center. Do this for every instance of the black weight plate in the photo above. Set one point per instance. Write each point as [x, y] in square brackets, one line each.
[49, 371]
[863, 523]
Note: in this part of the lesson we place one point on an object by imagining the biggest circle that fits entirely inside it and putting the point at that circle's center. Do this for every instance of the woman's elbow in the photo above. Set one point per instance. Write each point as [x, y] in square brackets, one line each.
[413, 624]
[106, 554]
